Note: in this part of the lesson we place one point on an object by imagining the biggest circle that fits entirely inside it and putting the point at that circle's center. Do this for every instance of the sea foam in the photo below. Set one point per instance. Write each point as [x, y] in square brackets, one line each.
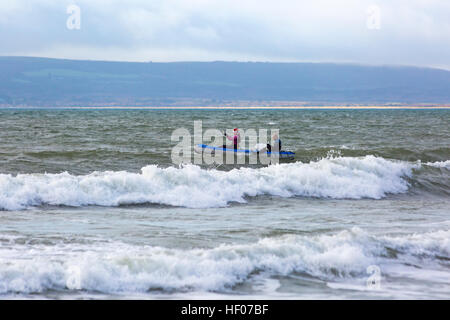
[116, 267]
[194, 187]
[439, 164]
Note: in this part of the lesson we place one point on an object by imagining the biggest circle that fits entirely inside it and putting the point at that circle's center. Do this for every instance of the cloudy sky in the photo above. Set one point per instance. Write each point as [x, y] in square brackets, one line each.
[394, 32]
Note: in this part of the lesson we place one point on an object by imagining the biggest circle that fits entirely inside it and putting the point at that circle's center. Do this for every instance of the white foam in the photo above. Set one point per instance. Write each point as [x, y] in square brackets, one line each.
[439, 164]
[116, 267]
[191, 186]
[123, 268]
[431, 243]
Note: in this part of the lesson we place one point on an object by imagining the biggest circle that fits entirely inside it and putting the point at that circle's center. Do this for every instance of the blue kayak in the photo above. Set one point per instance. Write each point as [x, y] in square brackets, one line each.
[282, 154]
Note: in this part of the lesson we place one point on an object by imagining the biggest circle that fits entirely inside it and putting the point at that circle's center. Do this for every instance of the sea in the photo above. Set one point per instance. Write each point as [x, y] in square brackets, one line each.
[92, 206]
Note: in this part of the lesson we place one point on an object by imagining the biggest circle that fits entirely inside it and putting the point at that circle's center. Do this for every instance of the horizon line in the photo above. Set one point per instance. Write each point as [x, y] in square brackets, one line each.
[242, 61]
[444, 107]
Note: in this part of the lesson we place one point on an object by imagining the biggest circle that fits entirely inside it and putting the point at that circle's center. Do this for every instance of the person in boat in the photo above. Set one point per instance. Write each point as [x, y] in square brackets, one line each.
[236, 138]
[276, 144]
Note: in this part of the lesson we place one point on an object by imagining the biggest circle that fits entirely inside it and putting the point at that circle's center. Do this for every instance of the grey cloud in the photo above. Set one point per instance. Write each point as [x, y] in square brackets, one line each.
[412, 32]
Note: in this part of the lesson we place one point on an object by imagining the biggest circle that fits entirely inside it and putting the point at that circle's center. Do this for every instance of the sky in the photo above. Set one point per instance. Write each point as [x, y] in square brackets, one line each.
[376, 32]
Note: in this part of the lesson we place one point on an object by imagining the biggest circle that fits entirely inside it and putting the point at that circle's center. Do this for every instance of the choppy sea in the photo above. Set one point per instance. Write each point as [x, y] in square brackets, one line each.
[92, 206]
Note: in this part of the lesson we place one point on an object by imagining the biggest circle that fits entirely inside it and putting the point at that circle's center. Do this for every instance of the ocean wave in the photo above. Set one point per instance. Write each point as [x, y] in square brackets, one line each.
[439, 164]
[115, 267]
[194, 187]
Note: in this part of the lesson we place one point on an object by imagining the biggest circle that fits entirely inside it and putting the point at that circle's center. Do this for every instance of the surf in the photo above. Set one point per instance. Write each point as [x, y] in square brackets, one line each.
[116, 267]
[195, 187]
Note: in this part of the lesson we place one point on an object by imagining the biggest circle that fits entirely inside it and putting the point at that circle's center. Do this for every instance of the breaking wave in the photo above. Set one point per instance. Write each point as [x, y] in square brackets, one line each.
[116, 267]
[194, 187]
[439, 164]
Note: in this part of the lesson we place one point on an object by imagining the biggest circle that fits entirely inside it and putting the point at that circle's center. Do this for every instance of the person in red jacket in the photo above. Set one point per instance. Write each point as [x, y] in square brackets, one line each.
[236, 138]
